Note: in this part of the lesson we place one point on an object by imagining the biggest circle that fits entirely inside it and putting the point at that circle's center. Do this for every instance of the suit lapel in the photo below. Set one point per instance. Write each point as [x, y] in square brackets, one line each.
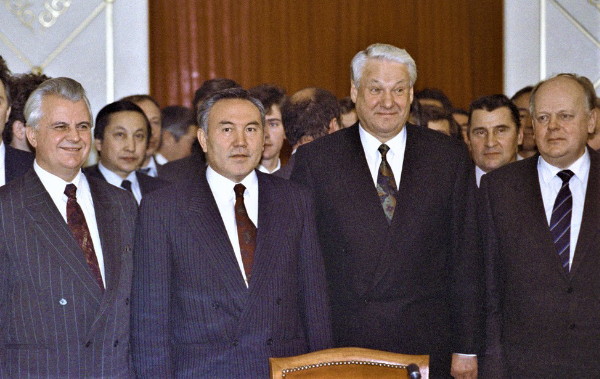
[590, 225]
[56, 235]
[203, 214]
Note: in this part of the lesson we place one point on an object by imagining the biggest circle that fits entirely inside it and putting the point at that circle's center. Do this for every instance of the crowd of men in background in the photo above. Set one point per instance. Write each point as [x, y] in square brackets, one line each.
[257, 225]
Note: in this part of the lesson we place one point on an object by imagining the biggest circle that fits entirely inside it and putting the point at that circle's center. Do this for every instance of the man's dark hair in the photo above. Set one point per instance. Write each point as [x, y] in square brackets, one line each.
[177, 120]
[269, 95]
[432, 113]
[521, 92]
[491, 103]
[435, 94]
[229, 93]
[103, 117]
[211, 86]
[346, 105]
[21, 87]
[309, 115]
[5, 78]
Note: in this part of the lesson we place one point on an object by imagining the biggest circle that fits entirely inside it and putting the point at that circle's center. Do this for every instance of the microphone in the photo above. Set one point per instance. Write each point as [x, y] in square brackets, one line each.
[413, 371]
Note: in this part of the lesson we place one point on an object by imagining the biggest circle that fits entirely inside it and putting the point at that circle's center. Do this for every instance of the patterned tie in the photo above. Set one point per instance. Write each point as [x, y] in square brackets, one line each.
[386, 184]
[560, 222]
[246, 230]
[79, 228]
[126, 185]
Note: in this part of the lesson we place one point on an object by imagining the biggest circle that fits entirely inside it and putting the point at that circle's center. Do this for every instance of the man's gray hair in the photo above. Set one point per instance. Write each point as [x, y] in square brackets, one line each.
[65, 88]
[382, 51]
[229, 93]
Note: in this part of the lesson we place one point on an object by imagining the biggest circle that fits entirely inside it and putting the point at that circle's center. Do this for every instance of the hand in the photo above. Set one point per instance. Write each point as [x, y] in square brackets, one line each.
[464, 366]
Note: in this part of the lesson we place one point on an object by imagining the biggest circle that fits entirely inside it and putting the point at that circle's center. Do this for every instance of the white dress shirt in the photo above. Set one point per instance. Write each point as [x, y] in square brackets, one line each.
[160, 159]
[550, 185]
[2, 163]
[150, 169]
[56, 189]
[478, 174]
[395, 156]
[116, 181]
[262, 168]
[222, 190]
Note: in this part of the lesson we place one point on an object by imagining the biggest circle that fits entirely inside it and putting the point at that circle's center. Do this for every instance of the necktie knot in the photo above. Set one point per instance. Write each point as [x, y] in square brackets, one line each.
[71, 191]
[383, 149]
[239, 190]
[126, 184]
[565, 175]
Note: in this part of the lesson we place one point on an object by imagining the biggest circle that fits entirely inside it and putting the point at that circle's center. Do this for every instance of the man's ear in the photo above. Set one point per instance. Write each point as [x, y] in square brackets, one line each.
[98, 144]
[31, 136]
[353, 91]
[202, 139]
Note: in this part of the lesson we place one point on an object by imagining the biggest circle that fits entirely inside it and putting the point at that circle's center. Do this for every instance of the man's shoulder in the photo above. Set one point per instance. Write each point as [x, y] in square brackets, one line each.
[108, 192]
[18, 154]
[93, 171]
[514, 170]
[150, 183]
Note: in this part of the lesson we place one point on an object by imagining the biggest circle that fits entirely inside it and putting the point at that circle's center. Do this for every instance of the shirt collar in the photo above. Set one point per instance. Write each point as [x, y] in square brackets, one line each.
[371, 144]
[113, 178]
[581, 168]
[222, 187]
[54, 184]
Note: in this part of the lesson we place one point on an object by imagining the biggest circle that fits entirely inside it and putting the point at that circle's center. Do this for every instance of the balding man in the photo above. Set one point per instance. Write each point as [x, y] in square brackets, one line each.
[543, 308]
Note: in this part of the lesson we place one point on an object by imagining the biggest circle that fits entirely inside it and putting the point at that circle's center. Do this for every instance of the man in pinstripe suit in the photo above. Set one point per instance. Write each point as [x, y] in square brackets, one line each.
[64, 302]
[201, 308]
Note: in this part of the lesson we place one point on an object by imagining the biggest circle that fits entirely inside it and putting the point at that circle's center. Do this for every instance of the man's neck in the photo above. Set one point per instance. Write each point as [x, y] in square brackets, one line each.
[527, 153]
[270, 164]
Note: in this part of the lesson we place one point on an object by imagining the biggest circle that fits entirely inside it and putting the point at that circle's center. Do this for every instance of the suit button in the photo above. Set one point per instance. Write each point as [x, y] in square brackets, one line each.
[127, 301]
[216, 305]
[270, 341]
[367, 301]
[88, 343]
[62, 302]
[572, 326]
[116, 343]
[278, 301]
[235, 343]
[570, 290]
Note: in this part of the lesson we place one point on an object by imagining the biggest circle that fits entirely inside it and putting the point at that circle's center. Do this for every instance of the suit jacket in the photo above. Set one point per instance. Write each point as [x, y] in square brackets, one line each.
[193, 315]
[286, 171]
[55, 320]
[147, 182]
[16, 162]
[541, 322]
[181, 169]
[413, 286]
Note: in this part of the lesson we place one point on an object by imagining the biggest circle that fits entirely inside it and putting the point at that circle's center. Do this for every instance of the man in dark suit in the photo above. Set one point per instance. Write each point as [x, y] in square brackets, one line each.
[13, 162]
[542, 282]
[396, 220]
[66, 280]
[227, 266]
[121, 138]
[308, 114]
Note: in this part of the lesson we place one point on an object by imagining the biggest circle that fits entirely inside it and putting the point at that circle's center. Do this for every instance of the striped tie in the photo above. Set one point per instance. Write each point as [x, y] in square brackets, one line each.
[560, 222]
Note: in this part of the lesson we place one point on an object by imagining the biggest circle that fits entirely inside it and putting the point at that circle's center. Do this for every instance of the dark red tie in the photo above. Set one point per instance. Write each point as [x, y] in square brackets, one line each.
[246, 230]
[79, 228]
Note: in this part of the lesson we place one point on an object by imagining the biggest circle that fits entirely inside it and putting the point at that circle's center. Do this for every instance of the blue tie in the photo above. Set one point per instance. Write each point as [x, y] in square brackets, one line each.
[560, 222]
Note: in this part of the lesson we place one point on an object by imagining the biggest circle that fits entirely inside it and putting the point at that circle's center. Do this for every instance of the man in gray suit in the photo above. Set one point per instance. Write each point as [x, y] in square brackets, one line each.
[65, 282]
[227, 267]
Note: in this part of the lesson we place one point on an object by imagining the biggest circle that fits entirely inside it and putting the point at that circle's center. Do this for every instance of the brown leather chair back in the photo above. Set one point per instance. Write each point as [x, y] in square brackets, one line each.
[348, 362]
